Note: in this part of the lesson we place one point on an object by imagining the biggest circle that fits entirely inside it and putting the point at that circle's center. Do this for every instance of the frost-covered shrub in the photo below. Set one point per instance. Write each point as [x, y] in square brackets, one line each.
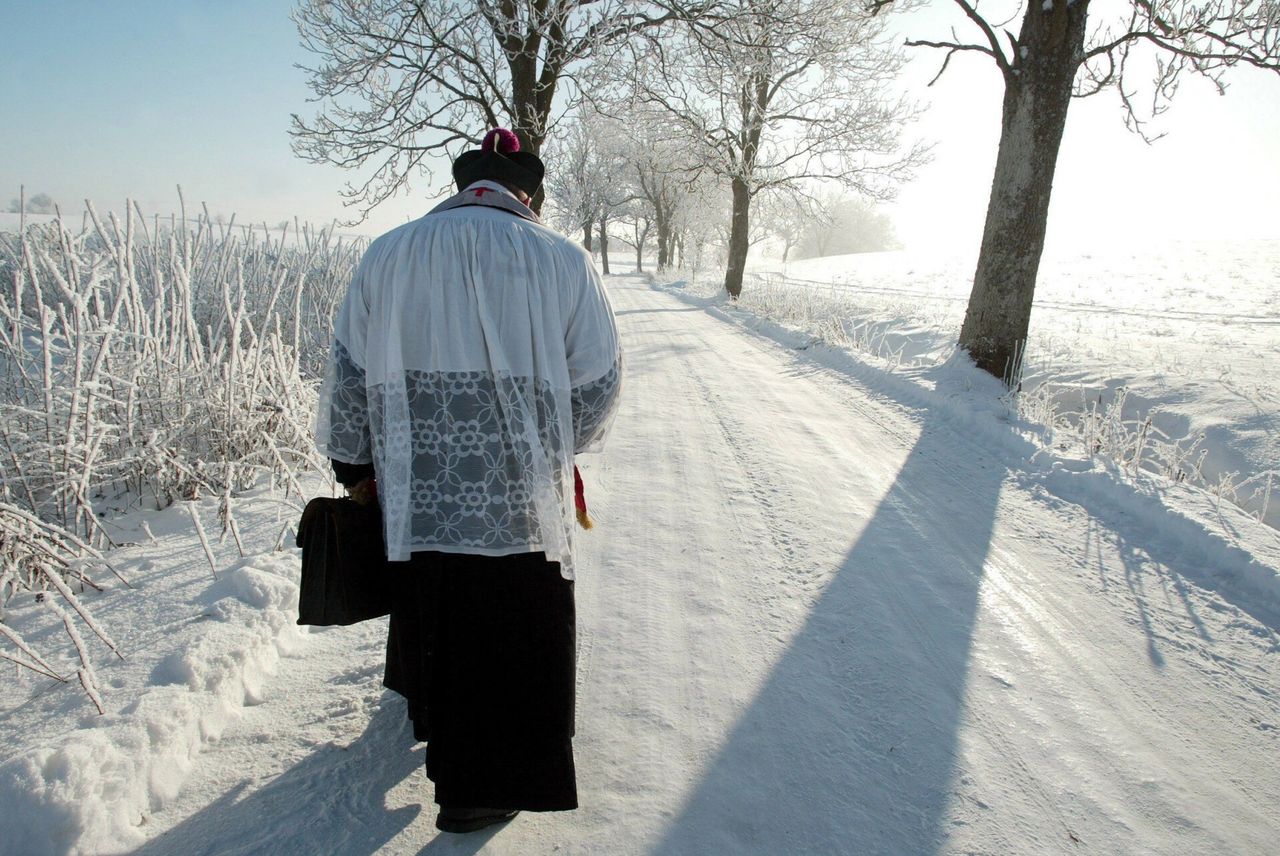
[157, 360]
[38, 556]
[167, 361]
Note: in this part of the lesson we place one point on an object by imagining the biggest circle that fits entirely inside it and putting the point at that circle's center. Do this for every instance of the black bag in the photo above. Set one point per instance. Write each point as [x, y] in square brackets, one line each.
[345, 577]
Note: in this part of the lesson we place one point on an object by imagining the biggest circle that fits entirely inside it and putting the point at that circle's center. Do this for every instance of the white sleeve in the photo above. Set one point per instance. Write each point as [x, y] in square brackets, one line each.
[342, 418]
[590, 336]
[595, 363]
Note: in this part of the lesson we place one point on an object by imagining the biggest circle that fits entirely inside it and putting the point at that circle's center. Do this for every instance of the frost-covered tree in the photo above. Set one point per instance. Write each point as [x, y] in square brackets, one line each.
[846, 224]
[41, 203]
[613, 162]
[789, 216]
[651, 166]
[1062, 49]
[575, 178]
[663, 171]
[400, 81]
[697, 224]
[779, 92]
[637, 225]
[588, 177]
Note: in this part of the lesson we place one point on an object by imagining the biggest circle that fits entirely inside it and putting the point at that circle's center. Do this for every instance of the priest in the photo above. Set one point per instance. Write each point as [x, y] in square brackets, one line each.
[475, 355]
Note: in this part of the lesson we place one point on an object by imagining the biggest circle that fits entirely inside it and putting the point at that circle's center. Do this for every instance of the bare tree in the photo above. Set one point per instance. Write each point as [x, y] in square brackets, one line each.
[698, 220]
[617, 193]
[779, 92]
[574, 182]
[846, 224]
[400, 81]
[1057, 53]
[41, 203]
[789, 217]
[636, 217]
[663, 171]
[659, 169]
[588, 177]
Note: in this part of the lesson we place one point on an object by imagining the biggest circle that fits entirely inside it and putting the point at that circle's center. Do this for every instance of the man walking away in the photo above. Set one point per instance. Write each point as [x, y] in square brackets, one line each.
[474, 356]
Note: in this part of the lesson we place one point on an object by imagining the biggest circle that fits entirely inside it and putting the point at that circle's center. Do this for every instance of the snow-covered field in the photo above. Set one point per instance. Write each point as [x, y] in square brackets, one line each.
[1189, 331]
[831, 606]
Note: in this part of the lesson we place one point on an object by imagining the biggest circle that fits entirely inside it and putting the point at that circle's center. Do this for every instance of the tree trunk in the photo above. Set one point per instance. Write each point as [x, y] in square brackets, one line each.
[666, 235]
[604, 245]
[525, 120]
[640, 249]
[1037, 94]
[586, 236]
[823, 239]
[739, 238]
[531, 92]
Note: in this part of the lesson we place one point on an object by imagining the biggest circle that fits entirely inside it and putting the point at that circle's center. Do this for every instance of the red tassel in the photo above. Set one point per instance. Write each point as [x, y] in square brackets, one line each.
[500, 140]
[580, 500]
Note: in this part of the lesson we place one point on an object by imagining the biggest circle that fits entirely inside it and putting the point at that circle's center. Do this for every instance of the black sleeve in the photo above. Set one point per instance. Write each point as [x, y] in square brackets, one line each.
[349, 474]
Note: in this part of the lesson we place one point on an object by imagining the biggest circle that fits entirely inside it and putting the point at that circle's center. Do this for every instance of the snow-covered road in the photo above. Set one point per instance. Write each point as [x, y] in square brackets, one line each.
[814, 619]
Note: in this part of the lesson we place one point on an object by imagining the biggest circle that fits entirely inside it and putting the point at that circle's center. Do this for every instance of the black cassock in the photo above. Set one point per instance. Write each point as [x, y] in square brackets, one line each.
[483, 648]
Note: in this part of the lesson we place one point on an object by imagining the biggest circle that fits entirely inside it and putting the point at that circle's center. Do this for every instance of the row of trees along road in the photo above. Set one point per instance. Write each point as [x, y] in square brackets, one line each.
[778, 94]
[641, 172]
[761, 97]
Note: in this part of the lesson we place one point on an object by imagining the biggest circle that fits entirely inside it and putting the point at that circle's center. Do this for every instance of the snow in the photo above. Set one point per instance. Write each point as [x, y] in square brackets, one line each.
[829, 606]
[197, 650]
[1189, 331]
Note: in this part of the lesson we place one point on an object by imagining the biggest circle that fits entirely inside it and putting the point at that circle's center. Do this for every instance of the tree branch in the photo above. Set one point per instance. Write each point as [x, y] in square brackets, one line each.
[951, 48]
[992, 39]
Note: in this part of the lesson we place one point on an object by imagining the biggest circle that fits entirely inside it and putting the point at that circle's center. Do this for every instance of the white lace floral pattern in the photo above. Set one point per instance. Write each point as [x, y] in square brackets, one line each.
[342, 431]
[469, 479]
[594, 405]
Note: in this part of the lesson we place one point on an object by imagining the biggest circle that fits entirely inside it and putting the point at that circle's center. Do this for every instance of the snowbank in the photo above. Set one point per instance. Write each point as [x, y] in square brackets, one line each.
[1239, 555]
[1185, 335]
[198, 649]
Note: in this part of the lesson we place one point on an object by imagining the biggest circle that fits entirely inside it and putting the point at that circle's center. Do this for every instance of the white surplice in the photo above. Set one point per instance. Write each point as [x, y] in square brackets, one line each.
[475, 354]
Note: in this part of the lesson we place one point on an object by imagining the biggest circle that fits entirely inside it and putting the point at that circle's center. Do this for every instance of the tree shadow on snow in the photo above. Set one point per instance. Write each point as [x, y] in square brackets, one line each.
[333, 801]
[851, 745]
[1158, 544]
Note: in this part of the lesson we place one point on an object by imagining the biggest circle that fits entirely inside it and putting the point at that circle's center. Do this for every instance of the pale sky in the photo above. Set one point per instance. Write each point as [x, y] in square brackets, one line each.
[127, 99]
